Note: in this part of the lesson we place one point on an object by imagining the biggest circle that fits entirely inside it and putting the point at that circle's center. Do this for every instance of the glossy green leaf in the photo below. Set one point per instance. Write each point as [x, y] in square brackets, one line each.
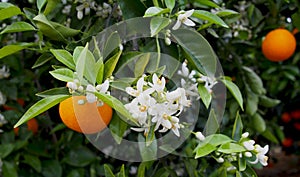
[108, 171]
[122, 172]
[11, 49]
[170, 4]
[18, 27]
[110, 64]
[63, 74]
[65, 31]
[44, 58]
[205, 96]
[155, 11]
[9, 12]
[254, 81]
[40, 107]
[252, 103]
[116, 105]
[259, 123]
[5, 150]
[267, 101]
[229, 148]
[54, 91]
[51, 168]
[48, 29]
[33, 161]
[270, 135]
[207, 3]
[242, 164]
[201, 54]
[212, 125]
[51, 5]
[148, 152]
[235, 91]
[80, 61]
[99, 68]
[226, 12]
[205, 150]
[80, 157]
[40, 4]
[64, 57]
[118, 127]
[141, 64]
[131, 9]
[9, 169]
[210, 17]
[112, 43]
[76, 173]
[157, 24]
[237, 127]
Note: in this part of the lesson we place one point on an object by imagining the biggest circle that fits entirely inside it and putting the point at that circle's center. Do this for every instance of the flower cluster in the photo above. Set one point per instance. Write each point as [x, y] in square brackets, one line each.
[183, 17]
[89, 90]
[153, 104]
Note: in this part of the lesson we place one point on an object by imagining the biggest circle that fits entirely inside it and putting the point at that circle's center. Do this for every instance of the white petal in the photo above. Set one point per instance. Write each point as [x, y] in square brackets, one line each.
[177, 25]
[189, 13]
[189, 22]
[176, 131]
[167, 124]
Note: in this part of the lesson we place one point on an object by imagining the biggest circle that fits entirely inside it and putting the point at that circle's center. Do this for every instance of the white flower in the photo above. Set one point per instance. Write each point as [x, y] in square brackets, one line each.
[4, 72]
[209, 82]
[158, 84]
[178, 97]
[103, 88]
[200, 136]
[90, 96]
[139, 87]
[245, 135]
[261, 155]
[183, 17]
[220, 160]
[2, 120]
[2, 98]
[249, 145]
[191, 89]
[248, 154]
[139, 107]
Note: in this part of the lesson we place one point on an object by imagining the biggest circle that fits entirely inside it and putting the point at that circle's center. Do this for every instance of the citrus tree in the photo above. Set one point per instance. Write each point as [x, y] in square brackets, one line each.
[144, 88]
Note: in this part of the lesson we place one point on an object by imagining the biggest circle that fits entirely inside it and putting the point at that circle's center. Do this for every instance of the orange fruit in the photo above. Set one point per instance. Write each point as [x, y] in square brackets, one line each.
[279, 45]
[32, 125]
[81, 116]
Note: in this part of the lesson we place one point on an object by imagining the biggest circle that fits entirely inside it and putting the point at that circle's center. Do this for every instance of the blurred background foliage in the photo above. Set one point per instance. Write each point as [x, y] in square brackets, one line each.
[270, 89]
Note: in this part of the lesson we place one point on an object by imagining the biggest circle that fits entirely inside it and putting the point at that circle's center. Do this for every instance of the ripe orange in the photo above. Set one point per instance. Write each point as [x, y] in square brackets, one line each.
[32, 125]
[81, 116]
[279, 45]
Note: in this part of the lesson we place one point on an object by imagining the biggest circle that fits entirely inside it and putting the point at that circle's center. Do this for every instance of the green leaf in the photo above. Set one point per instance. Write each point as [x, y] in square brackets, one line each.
[10, 49]
[65, 31]
[44, 58]
[254, 81]
[131, 9]
[6, 149]
[200, 53]
[9, 12]
[111, 64]
[99, 68]
[48, 29]
[108, 172]
[18, 27]
[259, 123]
[51, 5]
[237, 127]
[270, 135]
[112, 43]
[242, 163]
[235, 91]
[63, 74]
[204, 150]
[170, 4]
[147, 151]
[226, 12]
[210, 17]
[76, 173]
[207, 3]
[79, 157]
[118, 127]
[9, 169]
[155, 11]
[51, 168]
[157, 24]
[252, 103]
[40, 107]
[204, 95]
[80, 61]
[54, 91]
[116, 105]
[64, 57]
[212, 124]
[229, 148]
[33, 161]
[141, 64]
[267, 102]
[40, 4]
